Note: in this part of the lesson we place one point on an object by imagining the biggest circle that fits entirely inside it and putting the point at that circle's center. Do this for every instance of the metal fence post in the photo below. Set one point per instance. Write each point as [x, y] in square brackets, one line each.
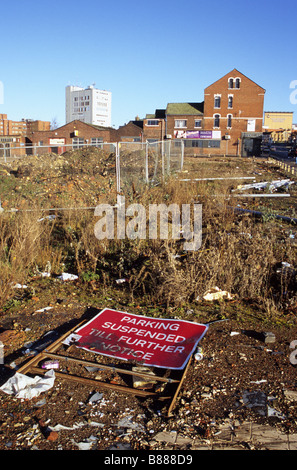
[118, 168]
[146, 162]
[182, 154]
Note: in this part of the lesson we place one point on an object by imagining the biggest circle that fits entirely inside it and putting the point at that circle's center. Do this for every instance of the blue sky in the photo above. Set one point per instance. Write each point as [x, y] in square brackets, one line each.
[146, 53]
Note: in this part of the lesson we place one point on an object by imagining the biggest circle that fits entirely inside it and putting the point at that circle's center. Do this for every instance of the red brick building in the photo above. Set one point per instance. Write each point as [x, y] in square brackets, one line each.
[233, 106]
[76, 134]
[230, 115]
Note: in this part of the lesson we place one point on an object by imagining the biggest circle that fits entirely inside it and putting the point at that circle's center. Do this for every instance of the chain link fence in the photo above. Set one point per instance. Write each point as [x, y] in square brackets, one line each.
[134, 163]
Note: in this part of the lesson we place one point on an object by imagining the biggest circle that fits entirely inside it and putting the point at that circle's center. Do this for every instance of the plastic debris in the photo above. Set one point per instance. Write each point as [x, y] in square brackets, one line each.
[50, 365]
[22, 386]
[198, 355]
[42, 310]
[140, 382]
[68, 277]
[126, 422]
[217, 294]
[270, 185]
[256, 400]
[87, 444]
[96, 397]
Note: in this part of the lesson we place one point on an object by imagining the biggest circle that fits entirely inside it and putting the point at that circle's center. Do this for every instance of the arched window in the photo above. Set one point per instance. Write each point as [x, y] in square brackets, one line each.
[216, 121]
[237, 83]
[229, 120]
[230, 101]
[231, 82]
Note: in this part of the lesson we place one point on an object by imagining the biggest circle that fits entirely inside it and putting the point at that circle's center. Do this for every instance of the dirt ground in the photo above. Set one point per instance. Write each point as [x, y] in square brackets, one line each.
[241, 379]
[242, 382]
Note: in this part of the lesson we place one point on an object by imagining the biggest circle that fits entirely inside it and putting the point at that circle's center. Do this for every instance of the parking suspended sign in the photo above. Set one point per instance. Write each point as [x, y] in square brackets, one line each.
[154, 342]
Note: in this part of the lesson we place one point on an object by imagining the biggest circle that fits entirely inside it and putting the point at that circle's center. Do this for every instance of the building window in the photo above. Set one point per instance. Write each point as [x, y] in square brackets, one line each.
[230, 101]
[217, 101]
[216, 121]
[229, 120]
[152, 122]
[97, 141]
[180, 123]
[198, 123]
[214, 144]
[231, 83]
[237, 83]
[77, 142]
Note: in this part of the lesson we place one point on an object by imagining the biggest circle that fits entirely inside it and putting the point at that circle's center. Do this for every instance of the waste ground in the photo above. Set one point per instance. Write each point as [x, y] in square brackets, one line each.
[241, 395]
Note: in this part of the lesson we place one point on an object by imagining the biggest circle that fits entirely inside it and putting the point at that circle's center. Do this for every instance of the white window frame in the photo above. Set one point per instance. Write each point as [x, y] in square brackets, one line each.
[230, 96]
[154, 121]
[233, 83]
[198, 120]
[178, 122]
[229, 116]
[235, 80]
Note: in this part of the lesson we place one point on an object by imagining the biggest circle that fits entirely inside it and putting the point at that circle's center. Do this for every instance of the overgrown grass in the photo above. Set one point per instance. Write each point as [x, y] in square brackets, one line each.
[238, 253]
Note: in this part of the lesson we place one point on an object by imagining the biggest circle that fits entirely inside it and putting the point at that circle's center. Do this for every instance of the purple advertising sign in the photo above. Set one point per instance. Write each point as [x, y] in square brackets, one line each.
[199, 134]
[193, 135]
[205, 134]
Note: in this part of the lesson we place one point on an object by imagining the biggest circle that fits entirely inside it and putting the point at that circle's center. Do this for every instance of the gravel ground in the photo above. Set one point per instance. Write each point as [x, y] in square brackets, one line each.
[241, 380]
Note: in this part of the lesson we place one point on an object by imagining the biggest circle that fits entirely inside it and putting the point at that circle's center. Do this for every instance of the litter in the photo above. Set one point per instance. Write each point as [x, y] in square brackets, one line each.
[87, 444]
[68, 277]
[126, 422]
[23, 386]
[96, 397]
[270, 185]
[20, 286]
[269, 337]
[217, 294]
[198, 356]
[121, 281]
[50, 365]
[44, 309]
[272, 413]
[61, 427]
[256, 400]
[139, 382]
[48, 217]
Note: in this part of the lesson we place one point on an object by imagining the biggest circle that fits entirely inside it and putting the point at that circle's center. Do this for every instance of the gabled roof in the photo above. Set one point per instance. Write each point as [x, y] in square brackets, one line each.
[185, 109]
[235, 73]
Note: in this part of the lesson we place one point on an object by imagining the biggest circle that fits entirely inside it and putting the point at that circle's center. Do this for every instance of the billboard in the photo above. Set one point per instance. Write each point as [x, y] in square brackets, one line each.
[155, 342]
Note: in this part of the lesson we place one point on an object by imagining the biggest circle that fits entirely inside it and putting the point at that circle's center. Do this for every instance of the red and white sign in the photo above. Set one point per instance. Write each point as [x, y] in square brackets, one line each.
[155, 342]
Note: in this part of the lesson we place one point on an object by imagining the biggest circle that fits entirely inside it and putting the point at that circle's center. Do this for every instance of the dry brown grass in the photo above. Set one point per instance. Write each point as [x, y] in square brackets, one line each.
[238, 253]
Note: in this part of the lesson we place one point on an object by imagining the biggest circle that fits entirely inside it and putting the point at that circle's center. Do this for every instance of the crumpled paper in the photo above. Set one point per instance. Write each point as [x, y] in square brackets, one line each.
[23, 386]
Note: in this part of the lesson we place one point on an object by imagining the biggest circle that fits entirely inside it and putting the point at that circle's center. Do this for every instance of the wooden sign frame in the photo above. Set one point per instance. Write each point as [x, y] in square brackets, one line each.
[172, 379]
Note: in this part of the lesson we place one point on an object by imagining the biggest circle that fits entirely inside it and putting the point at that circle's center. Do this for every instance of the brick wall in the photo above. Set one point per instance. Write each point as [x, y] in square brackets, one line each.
[74, 129]
[247, 108]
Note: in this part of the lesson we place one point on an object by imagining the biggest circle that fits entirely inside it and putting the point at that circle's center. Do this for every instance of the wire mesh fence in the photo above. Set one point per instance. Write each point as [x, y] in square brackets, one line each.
[131, 164]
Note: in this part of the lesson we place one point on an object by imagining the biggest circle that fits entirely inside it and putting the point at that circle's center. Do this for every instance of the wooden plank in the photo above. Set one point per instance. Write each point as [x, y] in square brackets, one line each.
[178, 388]
[97, 383]
[175, 383]
[112, 368]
